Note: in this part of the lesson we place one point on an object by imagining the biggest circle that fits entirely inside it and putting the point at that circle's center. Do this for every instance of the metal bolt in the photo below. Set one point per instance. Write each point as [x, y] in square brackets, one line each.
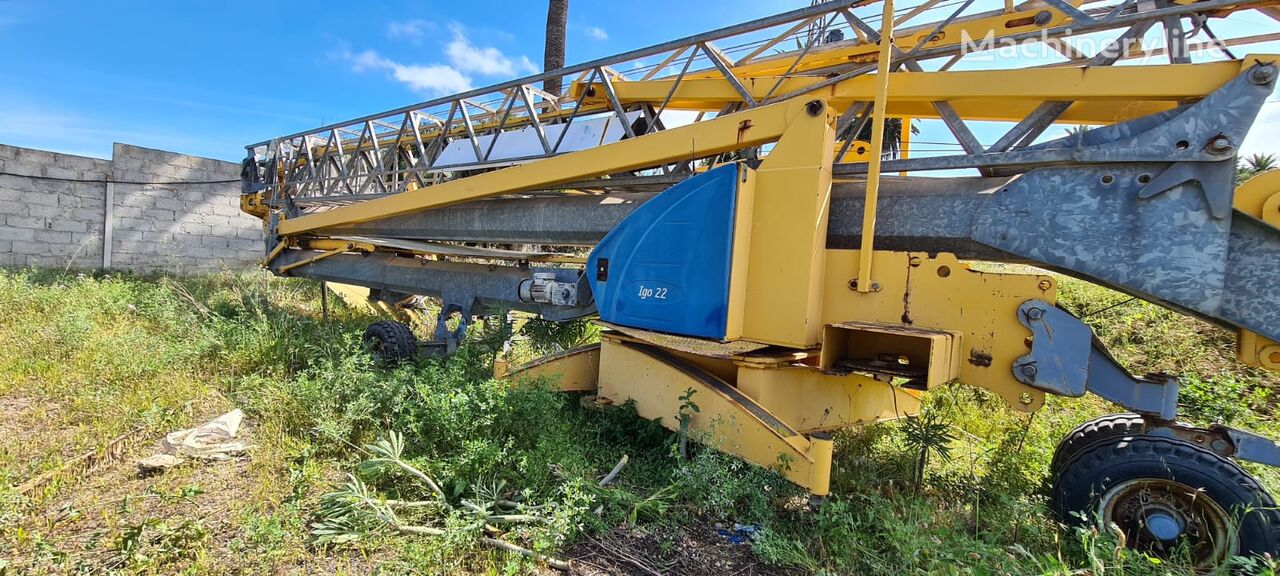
[1029, 370]
[915, 261]
[814, 107]
[1045, 284]
[1042, 17]
[1262, 74]
[853, 285]
[1035, 313]
[1220, 144]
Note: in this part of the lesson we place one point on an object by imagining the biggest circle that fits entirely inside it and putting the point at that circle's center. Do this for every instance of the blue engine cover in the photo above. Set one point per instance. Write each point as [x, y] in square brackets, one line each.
[666, 267]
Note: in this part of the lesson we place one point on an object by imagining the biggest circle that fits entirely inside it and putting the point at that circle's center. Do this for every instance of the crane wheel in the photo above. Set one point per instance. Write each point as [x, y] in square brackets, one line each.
[1170, 499]
[1092, 432]
[390, 342]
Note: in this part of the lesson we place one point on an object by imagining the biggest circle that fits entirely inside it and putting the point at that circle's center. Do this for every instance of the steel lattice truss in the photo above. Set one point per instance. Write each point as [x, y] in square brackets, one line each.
[764, 61]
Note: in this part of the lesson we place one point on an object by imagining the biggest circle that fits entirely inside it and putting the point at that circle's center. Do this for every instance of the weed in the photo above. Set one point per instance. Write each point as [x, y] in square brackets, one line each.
[11, 502]
[685, 417]
[548, 337]
[1222, 398]
[153, 543]
[927, 434]
[89, 357]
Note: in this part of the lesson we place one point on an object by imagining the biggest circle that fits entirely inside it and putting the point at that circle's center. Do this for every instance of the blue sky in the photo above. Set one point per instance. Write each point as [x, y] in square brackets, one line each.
[207, 78]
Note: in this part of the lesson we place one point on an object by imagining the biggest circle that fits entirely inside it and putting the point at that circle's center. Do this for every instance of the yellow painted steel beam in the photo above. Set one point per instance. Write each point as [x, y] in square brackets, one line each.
[801, 395]
[942, 293]
[318, 257]
[877, 148]
[1000, 25]
[331, 244]
[978, 93]
[726, 419]
[1255, 350]
[974, 28]
[743, 219]
[785, 267]
[812, 401]
[904, 146]
[357, 297]
[576, 370]
[1259, 193]
[254, 204]
[731, 132]
[1087, 112]
[280, 247]
[997, 24]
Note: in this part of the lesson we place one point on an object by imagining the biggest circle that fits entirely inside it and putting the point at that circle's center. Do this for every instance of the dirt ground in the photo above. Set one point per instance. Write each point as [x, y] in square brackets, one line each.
[204, 517]
[199, 517]
[696, 551]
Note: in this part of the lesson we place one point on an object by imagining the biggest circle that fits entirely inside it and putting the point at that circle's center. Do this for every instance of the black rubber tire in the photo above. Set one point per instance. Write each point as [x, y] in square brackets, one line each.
[1092, 432]
[391, 342]
[1089, 475]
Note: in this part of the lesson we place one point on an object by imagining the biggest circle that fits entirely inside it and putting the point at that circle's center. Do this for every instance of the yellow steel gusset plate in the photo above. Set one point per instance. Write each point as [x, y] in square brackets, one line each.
[943, 293]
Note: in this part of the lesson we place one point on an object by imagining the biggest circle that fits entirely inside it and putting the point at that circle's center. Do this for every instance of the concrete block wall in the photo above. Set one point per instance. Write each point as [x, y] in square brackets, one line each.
[169, 212]
[46, 222]
[180, 228]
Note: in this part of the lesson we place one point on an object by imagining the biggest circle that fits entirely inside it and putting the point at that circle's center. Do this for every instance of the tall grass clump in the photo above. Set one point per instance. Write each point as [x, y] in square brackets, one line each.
[960, 490]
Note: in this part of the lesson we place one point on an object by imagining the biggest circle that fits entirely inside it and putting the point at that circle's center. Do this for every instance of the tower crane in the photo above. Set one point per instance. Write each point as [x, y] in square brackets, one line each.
[724, 206]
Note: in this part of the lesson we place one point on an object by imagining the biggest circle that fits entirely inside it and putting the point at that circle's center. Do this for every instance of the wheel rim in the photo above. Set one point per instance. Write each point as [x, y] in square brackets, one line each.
[1160, 516]
[376, 347]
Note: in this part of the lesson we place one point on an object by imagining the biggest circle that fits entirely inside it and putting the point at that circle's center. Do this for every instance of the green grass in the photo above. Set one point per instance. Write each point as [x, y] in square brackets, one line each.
[85, 359]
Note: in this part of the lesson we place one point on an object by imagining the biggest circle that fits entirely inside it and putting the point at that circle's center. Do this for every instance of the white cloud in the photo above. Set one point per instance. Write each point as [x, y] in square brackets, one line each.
[465, 61]
[433, 78]
[528, 66]
[597, 33]
[1261, 138]
[430, 79]
[486, 61]
[414, 30]
[367, 60]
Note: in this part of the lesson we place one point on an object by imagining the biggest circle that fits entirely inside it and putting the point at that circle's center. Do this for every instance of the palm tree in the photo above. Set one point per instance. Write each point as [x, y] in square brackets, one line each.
[1076, 130]
[1260, 162]
[553, 56]
[892, 142]
[1254, 165]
